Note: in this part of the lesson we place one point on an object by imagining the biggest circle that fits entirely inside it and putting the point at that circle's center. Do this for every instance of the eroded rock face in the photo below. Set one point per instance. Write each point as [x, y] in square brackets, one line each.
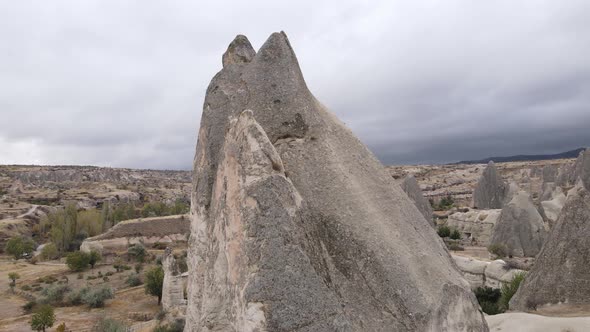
[411, 187]
[298, 227]
[520, 227]
[553, 205]
[561, 271]
[485, 274]
[490, 191]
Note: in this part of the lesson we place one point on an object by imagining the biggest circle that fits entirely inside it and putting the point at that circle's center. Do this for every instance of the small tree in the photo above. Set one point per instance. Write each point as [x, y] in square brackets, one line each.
[49, 252]
[93, 258]
[137, 251]
[12, 276]
[154, 279]
[43, 318]
[18, 246]
[78, 261]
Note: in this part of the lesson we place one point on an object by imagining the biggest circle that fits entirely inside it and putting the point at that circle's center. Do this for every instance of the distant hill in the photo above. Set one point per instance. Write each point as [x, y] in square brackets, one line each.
[563, 155]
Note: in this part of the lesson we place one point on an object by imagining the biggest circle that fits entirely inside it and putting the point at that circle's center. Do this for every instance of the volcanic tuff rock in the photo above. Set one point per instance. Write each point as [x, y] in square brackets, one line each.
[552, 206]
[477, 225]
[297, 226]
[490, 191]
[520, 227]
[412, 189]
[560, 273]
[549, 173]
[173, 285]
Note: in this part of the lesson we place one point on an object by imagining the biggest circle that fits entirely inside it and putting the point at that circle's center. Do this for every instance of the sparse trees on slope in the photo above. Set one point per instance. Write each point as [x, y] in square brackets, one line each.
[18, 246]
[43, 318]
[154, 280]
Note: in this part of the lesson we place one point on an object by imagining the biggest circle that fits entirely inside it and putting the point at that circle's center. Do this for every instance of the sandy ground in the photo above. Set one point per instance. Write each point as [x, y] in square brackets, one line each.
[526, 322]
[78, 318]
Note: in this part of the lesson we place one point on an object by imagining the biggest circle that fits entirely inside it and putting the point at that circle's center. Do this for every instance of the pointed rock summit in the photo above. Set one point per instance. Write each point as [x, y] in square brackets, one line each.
[490, 191]
[520, 227]
[296, 226]
[411, 187]
[239, 51]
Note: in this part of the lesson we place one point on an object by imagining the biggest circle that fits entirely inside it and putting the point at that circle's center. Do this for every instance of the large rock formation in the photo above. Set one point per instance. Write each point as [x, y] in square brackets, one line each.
[297, 226]
[146, 231]
[490, 191]
[561, 270]
[411, 187]
[550, 173]
[551, 207]
[520, 227]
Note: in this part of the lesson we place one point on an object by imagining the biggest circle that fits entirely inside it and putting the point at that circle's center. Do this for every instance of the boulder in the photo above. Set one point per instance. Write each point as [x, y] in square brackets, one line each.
[490, 191]
[520, 227]
[475, 225]
[485, 274]
[412, 189]
[296, 226]
[560, 273]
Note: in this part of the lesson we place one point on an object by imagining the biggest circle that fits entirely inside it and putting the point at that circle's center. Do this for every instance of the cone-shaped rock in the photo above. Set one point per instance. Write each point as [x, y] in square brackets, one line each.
[550, 173]
[520, 227]
[298, 227]
[561, 270]
[490, 191]
[411, 187]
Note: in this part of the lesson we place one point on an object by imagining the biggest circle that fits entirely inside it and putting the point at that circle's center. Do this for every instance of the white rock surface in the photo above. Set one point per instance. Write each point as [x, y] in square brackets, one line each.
[476, 225]
[483, 273]
[525, 322]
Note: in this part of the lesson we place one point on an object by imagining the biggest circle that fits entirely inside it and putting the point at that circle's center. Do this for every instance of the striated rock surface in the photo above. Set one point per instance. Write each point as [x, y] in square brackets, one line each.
[411, 187]
[561, 271]
[296, 226]
[490, 191]
[476, 225]
[520, 227]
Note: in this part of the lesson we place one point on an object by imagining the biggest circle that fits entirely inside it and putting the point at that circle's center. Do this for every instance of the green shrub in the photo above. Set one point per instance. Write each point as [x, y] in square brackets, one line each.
[80, 275]
[19, 247]
[159, 245]
[26, 288]
[109, 325]
[108, 274]
[78, 261]
[444, 231]
[488, 300]
[455, 234]
[54, 294]
[499, 249]
[133, 280]
[91, 277]
[509, 289]
[96, 297]
[76, 297]
[455, 247]
[43, 318]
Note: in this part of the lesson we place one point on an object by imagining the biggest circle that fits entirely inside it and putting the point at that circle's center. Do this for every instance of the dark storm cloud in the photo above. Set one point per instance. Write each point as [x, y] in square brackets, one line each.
[121, 83]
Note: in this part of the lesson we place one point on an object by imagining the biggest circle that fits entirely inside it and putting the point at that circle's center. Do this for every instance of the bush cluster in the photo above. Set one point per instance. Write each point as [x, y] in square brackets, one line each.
[496, 301]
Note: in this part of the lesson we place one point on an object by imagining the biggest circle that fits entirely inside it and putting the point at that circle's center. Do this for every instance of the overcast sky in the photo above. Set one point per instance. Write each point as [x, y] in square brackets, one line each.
[121, 83]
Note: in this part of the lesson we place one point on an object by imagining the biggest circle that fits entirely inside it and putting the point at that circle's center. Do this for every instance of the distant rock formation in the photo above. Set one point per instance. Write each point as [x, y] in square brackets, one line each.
[144, 230]
[561, 270]
[411, 187]
[475, 225]
[552, 206]
[490, 191]
[296, 226]
[520, 227]
[549, 173]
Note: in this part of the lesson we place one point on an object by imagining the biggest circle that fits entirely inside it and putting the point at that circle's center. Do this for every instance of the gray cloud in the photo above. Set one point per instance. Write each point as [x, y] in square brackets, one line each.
[121, 83]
